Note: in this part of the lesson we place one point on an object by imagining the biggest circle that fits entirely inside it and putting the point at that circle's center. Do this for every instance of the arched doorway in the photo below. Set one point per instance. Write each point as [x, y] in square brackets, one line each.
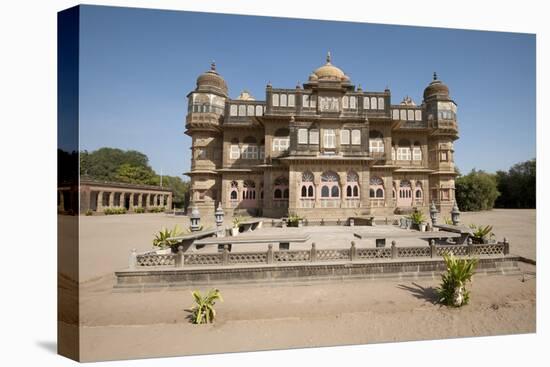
[404, 195]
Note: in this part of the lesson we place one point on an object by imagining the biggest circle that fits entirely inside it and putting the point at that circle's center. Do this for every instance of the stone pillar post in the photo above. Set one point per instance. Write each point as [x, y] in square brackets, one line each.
[140, 200]
[121, 199]
[317, 182]
[169, 203]
[147, 198]
[99, 206]
[111, 199]
[131, 204]
[161, 200]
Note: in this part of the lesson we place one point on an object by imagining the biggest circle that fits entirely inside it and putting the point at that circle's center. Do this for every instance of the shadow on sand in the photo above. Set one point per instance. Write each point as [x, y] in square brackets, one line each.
[48, 345]
[428, 294]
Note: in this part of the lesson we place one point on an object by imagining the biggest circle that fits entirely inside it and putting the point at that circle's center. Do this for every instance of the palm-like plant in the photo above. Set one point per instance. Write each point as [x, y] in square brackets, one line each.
[162, 238]
[480, 233]
[417, 217]
[452, 291]
[203, 312]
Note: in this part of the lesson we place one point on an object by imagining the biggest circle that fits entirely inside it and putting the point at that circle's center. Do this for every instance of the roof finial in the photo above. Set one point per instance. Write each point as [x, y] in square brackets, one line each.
[328, 57]
[435, 75]
[213, 65]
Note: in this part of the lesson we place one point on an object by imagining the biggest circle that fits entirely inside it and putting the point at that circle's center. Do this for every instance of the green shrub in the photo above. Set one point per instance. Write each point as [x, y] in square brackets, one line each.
[156, 209]
[203, 312]
[481, 233]
[417, 217]
[162, 237]
[237, 220]
[139, 210]
[452, 291]
[113, 211]
[293, 220]
[89, 212]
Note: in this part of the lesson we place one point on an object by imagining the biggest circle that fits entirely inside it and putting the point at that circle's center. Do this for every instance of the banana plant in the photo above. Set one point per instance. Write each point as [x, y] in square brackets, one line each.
[203, 312]
[452, 291]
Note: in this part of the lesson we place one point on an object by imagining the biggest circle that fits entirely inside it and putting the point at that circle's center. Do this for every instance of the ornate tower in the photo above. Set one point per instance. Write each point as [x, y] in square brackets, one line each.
[206, 108]
[441, 112]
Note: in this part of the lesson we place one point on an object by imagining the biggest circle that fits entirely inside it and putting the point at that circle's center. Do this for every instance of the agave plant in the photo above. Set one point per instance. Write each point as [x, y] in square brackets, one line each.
[417, 217]
[452, 291]
[203, 312]
[162, 238]
[481, 233]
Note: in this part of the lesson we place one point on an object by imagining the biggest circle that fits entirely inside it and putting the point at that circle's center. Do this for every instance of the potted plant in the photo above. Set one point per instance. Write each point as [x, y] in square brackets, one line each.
[481, 234]
[417, 218]
[294, 220]
[163, 239]
[235, 229]
[423, 227]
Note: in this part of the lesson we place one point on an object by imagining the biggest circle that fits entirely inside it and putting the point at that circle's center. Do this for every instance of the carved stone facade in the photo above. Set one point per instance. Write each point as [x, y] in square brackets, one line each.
[324, 149]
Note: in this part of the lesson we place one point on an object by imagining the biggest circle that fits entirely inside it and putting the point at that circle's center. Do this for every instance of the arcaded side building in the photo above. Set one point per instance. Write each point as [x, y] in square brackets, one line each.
[324, 149]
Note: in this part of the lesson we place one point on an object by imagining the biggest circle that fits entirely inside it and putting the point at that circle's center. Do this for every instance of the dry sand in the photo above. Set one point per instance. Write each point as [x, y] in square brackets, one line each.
[254, 317]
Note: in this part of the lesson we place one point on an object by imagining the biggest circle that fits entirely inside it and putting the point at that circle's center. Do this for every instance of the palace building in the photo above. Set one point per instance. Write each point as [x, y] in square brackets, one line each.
[324, 149]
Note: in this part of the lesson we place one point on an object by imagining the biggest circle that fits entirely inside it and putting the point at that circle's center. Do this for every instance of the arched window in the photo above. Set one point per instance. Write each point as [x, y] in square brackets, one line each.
[380, 103]
[281, 140]
[275, 100]
[352, 188]
[404, 150]
[376, 188]
[329, 185]
[234, 150]
[259, 110]
[376, 142]
[234, 191]
[417, 152]
[307, 190]
[249, 190]
[366, 103]
[280, 188]
[242, 110]
[250, 148]
[418, 190]
[405, 193]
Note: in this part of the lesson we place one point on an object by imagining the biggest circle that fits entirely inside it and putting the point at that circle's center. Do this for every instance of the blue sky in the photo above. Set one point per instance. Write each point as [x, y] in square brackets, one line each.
[138, 65]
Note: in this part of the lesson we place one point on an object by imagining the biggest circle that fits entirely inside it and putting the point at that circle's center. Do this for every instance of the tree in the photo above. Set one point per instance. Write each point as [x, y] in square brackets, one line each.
[518, 186]
[476, 191]
[180, 189]
[103, 164]
[135, 174]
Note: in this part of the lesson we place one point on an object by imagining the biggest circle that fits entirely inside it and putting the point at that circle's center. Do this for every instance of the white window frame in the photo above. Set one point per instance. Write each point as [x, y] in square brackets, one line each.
[250, 110]
[366, 103]
[302, 136]
[235, 151]
[374, 103]
[376, 145]
[403, 153]
[380, 103]
[314, 136]
[345, 137]
[353, 102]
[417, 154]
[280, 144]
[233, 110]
[275, 100]
[355, 137]
[283, 100]
[329, 139]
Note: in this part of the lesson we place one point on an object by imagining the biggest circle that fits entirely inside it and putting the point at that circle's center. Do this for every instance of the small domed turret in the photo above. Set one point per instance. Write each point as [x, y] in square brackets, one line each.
[329, 72]
[211, 81]
[436, 89]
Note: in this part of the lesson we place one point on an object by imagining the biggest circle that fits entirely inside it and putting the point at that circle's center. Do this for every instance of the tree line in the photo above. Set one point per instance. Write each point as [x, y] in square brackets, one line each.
[516, 188]
[130, 166]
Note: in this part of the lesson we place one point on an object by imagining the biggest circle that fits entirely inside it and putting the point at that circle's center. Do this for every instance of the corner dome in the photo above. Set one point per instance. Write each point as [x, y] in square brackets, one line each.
[329, 72]
[211, 81]
[436, 89]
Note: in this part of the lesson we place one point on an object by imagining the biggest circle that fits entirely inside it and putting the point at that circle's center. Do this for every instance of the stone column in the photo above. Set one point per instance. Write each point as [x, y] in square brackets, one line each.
[365, 187]
[131, 204]
[161, 200]
[99, 206]
[169, 201]
[121, 199]
[147, 200]
[111, 199]
[140, 200]
[317, 182]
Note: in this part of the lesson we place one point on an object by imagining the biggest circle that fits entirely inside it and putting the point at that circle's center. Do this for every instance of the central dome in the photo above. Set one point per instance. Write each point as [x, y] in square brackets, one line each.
[329, 72]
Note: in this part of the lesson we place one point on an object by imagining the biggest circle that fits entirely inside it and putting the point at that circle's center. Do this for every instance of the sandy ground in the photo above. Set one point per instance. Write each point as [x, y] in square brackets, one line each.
[122, 325]
[117, 325]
